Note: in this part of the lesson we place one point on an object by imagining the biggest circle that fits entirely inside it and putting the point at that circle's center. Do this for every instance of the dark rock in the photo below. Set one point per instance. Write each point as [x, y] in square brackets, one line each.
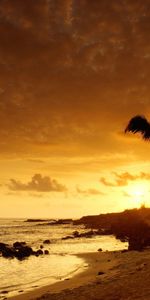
[19, 250]
[100, 250]
[100, 273]
[8, 252]
[3, 246]
[64, 221]
[67, 237]
[87, 234]
[135, 244]
[35, 220]
[46, 252]
[18, 245]
[23, 252]
[39, 252]
[4, 292]
[47, 242]
[124, 250]
[41, 246]
[103, 231]
[76, 233]
[123, 240]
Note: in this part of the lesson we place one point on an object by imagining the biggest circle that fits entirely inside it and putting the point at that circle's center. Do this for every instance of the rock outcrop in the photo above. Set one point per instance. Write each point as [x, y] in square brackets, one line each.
[19, 250]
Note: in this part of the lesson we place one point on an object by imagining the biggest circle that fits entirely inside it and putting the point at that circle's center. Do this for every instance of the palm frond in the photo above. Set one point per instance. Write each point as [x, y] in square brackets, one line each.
[139, 124]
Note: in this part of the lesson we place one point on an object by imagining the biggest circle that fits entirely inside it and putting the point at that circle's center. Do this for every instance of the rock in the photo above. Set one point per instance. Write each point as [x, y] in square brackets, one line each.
[100, 273]
[3, 246]
[20, 253]
[103, 231]
[8, 252]
[64, 221]
[18, 245]
[100, 250]
[41, 246]
[123, 240]
[124, 250]
[135, 244]
[23, 252]
[35, 220]
[76, 233]
[19, 250]
[88, 234]
[67, 237]
[4, 292]
[47, 242]
[39, 252]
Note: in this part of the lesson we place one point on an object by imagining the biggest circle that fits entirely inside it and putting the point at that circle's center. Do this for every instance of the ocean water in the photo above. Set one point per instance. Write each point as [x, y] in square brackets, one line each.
[17, 276]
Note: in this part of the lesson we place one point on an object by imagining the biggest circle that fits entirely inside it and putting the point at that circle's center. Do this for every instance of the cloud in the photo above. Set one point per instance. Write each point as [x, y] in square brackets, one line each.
[65, 54]
[124, 178]
[36, 195]
[125, 194]
[90, 191]
[38, 161]
[144, 175]
[38, 183]
[104, 181]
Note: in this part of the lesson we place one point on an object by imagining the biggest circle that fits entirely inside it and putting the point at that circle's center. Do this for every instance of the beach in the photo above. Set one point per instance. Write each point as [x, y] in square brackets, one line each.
[107, 275]
[63, 260]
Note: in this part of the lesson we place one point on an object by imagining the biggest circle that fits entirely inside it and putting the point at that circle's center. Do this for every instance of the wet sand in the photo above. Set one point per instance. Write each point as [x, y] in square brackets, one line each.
[109, 275]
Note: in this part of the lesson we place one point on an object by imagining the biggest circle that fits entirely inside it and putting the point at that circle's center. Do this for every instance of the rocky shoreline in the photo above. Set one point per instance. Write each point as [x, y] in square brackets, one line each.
[131, 226]
[50, 222]
[20, 250]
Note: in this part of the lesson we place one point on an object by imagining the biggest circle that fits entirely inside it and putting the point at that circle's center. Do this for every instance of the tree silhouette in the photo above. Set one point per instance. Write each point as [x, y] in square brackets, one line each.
[139, 124]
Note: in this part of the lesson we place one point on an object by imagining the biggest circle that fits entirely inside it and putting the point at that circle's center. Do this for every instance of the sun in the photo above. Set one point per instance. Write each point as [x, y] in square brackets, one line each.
[138, 193]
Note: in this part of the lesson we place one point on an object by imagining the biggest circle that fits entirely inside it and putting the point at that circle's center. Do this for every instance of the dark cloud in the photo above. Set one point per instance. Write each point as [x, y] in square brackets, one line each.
[124, 178]
[38, 183]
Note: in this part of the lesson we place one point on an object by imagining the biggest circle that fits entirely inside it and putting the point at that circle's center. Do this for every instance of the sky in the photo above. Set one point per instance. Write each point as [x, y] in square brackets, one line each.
[73, 73]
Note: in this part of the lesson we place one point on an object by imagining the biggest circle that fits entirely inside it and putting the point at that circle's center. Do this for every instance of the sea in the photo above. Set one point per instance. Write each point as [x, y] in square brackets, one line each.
[21, 276]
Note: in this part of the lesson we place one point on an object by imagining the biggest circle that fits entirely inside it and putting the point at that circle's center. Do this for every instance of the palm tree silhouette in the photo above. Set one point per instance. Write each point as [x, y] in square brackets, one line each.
[139, 124]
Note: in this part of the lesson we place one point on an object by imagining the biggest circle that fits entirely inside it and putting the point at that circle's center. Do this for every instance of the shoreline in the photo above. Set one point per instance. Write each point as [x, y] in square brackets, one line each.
[93, 263]
[108, 275]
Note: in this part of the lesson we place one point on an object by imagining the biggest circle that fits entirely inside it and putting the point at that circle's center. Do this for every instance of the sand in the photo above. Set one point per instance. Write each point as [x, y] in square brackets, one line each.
[125, 276]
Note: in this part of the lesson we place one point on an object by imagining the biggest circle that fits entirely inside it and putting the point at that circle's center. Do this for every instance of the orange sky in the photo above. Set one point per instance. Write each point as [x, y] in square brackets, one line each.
[72, 75]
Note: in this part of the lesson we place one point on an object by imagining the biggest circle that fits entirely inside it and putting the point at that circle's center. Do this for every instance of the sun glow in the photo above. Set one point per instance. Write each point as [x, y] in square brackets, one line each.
[138, 193]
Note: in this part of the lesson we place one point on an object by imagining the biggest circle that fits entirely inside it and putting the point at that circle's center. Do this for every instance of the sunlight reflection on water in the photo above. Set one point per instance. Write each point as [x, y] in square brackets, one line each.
[24, 275]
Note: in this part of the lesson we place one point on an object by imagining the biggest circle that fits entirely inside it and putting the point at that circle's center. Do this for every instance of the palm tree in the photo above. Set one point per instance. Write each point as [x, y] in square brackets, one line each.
[139, 124]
